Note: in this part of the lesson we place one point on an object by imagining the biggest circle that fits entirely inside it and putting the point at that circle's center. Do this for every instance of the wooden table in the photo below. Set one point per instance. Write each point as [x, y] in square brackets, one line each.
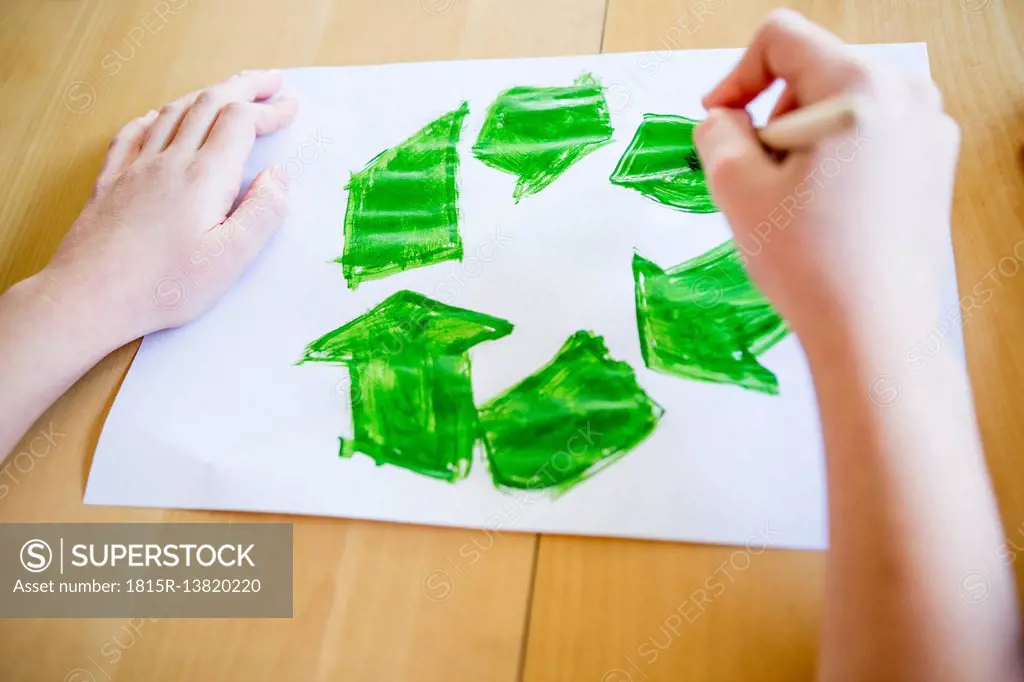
[376, 601]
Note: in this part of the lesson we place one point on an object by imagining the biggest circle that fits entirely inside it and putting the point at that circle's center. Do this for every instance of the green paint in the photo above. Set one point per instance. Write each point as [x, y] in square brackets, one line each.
[537, 133]
[567, 421]
[402, 211]
[661, 163]
[412, 399]
[705, 320]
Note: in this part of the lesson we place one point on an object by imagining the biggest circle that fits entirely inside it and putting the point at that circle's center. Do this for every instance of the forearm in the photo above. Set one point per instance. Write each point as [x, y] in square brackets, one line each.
[911, 512]
[51, 333]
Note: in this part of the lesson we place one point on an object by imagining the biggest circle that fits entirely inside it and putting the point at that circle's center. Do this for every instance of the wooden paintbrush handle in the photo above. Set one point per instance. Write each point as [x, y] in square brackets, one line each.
[809, 125]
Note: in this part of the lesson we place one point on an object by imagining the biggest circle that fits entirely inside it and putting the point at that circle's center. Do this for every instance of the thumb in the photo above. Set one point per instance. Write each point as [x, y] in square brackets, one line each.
[735, 163]
[258, 216]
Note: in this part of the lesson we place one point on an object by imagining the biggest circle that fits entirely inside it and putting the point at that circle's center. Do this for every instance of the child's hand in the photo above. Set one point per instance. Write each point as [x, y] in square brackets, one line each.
[854, 230]
[158, 244]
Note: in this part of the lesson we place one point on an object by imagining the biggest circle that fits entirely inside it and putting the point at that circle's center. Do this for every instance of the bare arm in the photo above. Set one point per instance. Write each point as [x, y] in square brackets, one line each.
[50, 336]
[133, 262]
[852, 258]
[911, 513]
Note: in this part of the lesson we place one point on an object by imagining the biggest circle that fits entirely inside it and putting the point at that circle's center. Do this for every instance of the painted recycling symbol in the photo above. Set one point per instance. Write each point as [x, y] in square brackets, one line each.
[409, 357]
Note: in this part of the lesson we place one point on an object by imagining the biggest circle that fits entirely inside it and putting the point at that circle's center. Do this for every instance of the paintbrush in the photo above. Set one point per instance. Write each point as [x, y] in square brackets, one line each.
[808, 125]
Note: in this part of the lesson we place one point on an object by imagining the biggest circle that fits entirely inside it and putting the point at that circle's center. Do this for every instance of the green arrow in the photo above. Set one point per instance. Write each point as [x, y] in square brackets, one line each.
[411, 393]
[570, 419]
[402, 210]
[537, 133]
[661, 163]
[704, 319]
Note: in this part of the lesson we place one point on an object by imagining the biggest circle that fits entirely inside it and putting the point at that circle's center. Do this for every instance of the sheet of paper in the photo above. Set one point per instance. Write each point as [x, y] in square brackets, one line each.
[217, 415]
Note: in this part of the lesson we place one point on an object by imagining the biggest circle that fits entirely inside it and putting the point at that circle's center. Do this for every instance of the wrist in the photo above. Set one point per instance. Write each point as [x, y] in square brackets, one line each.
[73, 312]
[50, 335]
[879, 354]
[885, 322]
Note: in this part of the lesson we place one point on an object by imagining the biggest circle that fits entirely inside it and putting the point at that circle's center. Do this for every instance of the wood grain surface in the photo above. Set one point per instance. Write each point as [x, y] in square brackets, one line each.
[376, 601]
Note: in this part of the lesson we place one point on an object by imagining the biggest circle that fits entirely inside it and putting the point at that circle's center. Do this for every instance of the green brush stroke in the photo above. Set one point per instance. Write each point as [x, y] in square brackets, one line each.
[567, 421]
[537, 133]
[661, 163]
[411, 394]
[402, 211]
[704, 319]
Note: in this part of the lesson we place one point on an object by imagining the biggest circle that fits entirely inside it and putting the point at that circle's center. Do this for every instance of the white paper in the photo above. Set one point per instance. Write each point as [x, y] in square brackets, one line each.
[216, 415]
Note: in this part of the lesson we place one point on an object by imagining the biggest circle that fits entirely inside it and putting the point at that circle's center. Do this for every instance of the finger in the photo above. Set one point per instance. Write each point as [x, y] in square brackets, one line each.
[258, 216]
[257, 85]
[125, 146]
[232, 134]
[273, 116]
[812, 61]
[262, 84]
[736, 165]
[786, 103]
[161, 132]
[246, 87]
[265, 117]
[727, 141]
